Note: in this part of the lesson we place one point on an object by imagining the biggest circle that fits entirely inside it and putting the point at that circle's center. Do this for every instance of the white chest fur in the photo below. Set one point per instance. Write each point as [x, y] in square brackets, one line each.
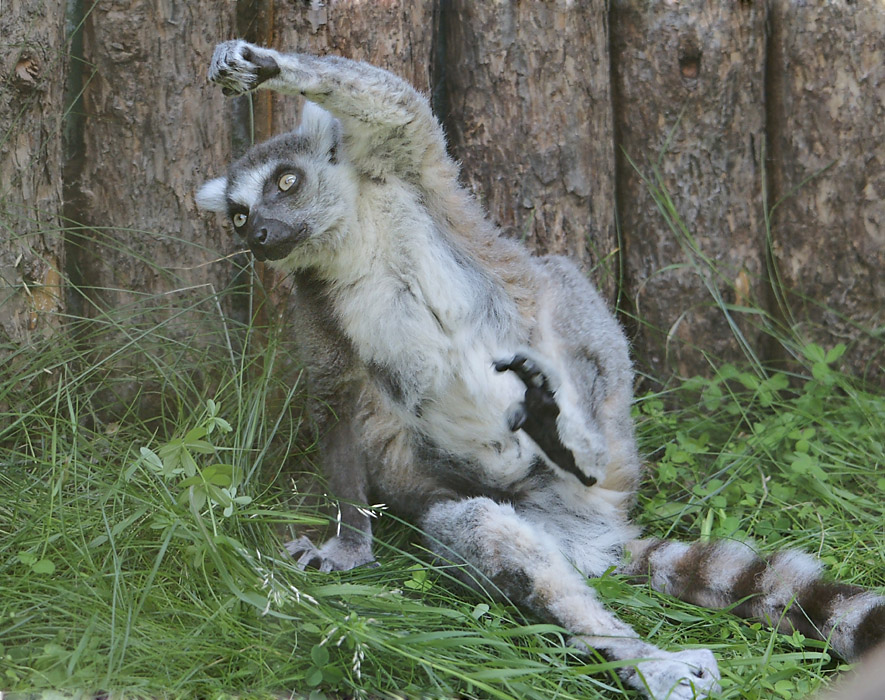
[418, 315]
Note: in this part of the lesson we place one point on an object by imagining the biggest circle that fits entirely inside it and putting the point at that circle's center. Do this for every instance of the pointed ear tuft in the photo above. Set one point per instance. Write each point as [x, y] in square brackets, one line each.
[212, 196]
[323, 130]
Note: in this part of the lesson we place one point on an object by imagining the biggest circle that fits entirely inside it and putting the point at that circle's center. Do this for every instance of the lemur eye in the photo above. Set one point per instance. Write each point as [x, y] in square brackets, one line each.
[286, 181]
[239, 219]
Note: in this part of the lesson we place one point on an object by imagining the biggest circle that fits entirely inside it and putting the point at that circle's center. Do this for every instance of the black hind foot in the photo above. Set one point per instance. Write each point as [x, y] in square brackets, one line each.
[538, 409]
[537, 414]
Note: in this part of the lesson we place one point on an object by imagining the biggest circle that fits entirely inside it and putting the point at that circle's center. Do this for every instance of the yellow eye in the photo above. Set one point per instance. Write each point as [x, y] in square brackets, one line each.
[286, 181]
[239, 219]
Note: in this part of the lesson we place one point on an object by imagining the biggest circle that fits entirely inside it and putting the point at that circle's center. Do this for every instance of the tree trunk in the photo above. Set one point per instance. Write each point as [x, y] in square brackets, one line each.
[827, 130]
[527, 107]
[527, 94]
[689, 86]
[154, 129]
[33, 63]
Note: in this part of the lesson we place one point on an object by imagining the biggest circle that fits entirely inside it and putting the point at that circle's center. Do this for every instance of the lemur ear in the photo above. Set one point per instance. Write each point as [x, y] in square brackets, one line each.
[323, 130]
[212, 196]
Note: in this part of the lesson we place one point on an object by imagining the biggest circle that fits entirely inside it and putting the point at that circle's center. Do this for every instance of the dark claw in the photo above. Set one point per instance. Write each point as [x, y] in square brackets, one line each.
[514, 363]
[517, 418]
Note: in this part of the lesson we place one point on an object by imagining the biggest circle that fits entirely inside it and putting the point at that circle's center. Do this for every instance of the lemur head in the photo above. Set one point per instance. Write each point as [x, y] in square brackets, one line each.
[290, 195]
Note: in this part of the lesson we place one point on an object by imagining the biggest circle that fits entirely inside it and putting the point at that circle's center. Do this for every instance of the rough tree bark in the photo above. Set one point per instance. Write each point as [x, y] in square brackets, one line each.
[526, 101]
[827, 130]
[526, 93]
[154, 129]
[33, 64]
[688, 82]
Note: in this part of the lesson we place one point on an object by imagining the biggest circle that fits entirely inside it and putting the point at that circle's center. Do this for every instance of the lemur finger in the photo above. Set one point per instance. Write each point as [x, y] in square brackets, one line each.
[524, 368]
[266, 65]
[506, 365]
[238, 68]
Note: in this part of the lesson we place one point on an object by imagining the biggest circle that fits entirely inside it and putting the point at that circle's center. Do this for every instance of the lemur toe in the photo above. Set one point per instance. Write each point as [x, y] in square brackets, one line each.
[305, 553]
[526, 369]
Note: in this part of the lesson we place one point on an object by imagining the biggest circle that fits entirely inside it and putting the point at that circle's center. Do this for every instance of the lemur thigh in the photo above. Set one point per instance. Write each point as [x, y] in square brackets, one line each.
[591, 353]
[387, 124]
[578, 382]
[508, 555]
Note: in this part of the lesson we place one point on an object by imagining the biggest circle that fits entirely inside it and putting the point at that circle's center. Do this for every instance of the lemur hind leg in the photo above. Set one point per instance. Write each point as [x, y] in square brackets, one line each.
[500, 550]
[351, 545]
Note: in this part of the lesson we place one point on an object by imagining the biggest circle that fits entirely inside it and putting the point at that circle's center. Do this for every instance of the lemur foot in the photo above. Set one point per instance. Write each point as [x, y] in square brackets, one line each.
[537, 414]
[690, 674]
[539, 399]
[239, 67]
[336, 554]
[683, 675]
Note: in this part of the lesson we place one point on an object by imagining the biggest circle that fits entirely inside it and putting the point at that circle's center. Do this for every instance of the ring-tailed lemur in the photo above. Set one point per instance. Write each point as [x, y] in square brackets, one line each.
[480, 391]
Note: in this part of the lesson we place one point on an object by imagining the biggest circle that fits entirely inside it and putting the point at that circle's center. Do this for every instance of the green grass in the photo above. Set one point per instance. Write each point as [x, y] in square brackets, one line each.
[126, 566]
[143, 556]
[151, 476]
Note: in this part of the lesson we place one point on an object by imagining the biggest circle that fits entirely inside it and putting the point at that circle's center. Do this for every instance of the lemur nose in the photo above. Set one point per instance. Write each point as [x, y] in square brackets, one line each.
[261, 236]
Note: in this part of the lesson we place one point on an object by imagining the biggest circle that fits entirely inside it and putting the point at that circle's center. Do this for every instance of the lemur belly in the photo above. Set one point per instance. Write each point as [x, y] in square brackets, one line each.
[436, 367]
[462, 409]
[429, 325]
[468, 418]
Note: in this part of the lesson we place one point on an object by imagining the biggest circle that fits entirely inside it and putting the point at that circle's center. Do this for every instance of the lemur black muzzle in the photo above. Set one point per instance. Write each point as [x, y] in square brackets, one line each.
[271, 239]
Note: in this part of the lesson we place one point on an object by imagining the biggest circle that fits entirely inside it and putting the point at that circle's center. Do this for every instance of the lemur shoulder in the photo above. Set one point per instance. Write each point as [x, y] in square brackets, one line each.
[480, 391]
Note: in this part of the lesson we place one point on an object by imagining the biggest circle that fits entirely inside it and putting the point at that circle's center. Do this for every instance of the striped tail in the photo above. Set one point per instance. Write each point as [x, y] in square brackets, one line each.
[785, 589]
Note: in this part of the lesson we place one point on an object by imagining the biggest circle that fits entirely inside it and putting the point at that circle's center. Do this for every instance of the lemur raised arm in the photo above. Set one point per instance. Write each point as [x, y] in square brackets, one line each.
[386, 125]
[479, 391]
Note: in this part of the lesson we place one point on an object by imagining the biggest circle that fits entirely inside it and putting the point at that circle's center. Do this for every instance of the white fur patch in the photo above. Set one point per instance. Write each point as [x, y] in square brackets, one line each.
[212, 196]
[730, 560]
[847, 614]
[663, 561]
[249, 186]
[319, 126]
[789, 572]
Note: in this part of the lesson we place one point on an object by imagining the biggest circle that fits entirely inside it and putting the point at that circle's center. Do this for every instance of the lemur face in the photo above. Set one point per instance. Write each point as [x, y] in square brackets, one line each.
[288, 194]
[269, 207]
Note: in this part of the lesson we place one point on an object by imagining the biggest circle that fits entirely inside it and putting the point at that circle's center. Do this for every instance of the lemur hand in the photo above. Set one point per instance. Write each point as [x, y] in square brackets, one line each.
[239, 67]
